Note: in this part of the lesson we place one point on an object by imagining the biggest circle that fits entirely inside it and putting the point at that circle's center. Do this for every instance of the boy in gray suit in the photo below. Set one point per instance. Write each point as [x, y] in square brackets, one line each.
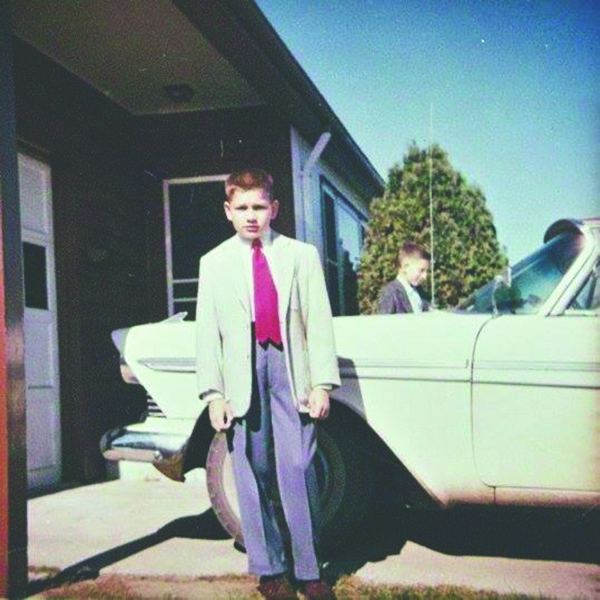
[266, 362]
[401, 296]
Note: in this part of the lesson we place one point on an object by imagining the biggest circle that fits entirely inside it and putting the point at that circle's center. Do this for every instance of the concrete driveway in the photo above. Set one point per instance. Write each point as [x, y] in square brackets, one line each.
[157, 527]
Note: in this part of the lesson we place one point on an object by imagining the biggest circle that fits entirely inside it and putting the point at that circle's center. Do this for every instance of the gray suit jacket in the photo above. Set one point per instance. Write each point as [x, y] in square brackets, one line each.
[394, 299]
[223, 333]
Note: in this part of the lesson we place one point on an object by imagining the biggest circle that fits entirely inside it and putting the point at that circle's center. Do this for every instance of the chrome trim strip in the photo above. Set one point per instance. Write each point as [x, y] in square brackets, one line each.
[396, 377]
[368, 363]
[507, 365]
[348, 367]
[584, 385]
[173, 365]
[188, 365]
[396, 370]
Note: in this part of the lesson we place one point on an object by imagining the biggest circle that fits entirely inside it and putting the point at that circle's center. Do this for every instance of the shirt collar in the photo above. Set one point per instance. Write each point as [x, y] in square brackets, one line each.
[413, 296]
[405, 283]
[266, 239]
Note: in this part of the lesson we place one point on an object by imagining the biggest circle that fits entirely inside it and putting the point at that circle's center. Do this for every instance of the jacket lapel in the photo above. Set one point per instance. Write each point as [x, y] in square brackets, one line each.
[235, 268]
[283, 271]
[403, 298]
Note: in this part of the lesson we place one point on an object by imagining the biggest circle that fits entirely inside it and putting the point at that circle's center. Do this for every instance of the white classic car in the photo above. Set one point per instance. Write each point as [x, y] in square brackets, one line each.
[496, 403]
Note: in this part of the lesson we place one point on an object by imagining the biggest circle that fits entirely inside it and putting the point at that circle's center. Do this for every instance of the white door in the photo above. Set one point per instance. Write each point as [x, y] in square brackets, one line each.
[41, 340]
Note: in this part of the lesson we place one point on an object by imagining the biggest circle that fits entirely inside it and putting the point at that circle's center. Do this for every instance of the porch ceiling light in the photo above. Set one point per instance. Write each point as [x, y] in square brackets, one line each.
[179, 93]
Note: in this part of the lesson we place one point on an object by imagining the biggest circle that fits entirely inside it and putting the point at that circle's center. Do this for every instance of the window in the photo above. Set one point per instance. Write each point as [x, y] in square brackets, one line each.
[343, 228]
[35, 276]
[534, 279]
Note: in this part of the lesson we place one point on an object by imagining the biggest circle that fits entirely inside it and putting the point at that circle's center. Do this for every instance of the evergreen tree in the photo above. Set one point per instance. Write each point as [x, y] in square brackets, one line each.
[466, 250]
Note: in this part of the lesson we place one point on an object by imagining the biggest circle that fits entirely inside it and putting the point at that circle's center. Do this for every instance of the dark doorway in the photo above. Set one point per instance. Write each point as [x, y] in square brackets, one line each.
[194, 224]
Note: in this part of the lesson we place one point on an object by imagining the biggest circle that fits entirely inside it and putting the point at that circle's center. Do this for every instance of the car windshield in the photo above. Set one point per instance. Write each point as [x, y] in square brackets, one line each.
[533, 279]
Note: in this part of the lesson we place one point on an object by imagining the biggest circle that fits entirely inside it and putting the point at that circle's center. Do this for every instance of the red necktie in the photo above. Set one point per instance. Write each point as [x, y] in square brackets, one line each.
[266, 311]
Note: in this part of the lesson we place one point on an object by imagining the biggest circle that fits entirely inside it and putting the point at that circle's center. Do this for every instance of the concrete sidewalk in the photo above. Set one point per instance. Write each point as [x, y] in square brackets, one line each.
[162, 528]
[132, 527]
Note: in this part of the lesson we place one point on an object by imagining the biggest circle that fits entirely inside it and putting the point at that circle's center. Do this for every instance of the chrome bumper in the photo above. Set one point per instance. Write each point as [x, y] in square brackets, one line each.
[166, 451]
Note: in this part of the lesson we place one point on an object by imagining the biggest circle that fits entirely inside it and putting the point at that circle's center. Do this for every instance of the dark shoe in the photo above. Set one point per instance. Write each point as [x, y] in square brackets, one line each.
[317, 590]
[276, 588]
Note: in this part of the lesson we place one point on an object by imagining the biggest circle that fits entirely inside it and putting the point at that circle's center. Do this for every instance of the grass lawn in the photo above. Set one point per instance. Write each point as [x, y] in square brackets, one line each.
[45, 584]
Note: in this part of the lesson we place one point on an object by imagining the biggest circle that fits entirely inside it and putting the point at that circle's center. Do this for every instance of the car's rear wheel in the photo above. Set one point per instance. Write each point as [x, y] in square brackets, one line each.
[343, 472]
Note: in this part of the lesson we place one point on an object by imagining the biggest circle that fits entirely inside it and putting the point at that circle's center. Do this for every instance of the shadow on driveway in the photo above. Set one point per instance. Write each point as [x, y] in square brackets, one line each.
[202, 527]
[532, 534]
[514, 533]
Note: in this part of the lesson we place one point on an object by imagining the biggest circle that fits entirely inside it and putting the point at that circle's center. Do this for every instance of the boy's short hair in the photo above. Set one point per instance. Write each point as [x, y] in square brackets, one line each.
[249, 179]
[412, 250]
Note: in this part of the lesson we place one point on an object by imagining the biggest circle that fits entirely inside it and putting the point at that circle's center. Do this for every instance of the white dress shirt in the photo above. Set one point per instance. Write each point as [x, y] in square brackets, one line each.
[246, 256]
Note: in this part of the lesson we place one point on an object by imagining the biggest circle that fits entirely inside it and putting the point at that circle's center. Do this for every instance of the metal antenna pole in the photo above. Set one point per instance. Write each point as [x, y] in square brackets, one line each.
[431, 203]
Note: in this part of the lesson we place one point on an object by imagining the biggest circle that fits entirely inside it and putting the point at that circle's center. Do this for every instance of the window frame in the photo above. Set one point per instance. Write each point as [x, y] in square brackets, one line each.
[592, 278]
[340, 202]
[168, 234]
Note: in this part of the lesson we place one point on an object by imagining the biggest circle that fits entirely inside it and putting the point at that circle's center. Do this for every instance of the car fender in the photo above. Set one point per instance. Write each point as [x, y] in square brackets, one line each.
[413, 387]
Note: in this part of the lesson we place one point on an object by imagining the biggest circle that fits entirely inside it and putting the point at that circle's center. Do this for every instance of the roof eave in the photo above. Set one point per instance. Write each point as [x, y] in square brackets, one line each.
[243, 35]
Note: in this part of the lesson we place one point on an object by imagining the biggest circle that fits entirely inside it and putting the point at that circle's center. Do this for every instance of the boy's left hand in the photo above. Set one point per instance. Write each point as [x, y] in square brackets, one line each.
[318, 403]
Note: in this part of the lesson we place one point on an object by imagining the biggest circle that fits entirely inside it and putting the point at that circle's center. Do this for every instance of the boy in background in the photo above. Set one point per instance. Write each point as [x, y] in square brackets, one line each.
[266, 362]
[401, 296]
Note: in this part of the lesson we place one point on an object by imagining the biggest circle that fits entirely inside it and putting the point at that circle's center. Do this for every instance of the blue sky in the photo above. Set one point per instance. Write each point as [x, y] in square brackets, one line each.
[513, 86]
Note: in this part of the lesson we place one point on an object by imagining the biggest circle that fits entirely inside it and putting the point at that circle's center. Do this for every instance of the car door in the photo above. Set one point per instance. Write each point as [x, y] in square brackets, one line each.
[536, 399]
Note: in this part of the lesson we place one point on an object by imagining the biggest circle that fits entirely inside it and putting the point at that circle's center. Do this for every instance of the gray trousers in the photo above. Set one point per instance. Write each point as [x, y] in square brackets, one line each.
[274, 445]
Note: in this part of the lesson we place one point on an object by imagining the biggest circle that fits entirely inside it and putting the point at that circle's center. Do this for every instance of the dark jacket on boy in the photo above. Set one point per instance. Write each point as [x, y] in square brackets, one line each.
[394, 300]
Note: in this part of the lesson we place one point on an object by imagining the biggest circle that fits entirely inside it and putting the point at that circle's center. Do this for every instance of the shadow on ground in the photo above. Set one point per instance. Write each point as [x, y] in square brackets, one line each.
[202, 527]
[509, 533]
[522, 533]
[526, 533]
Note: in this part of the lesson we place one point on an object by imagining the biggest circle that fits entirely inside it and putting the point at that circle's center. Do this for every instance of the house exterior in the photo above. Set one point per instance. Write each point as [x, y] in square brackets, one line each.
[129, 116]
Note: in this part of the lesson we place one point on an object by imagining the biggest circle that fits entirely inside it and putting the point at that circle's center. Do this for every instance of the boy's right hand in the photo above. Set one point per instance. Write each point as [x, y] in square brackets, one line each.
[220, 414]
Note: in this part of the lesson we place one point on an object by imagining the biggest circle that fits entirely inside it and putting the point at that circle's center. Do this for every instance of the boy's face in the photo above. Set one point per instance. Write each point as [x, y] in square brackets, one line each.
[251, 212]
[414, 269]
